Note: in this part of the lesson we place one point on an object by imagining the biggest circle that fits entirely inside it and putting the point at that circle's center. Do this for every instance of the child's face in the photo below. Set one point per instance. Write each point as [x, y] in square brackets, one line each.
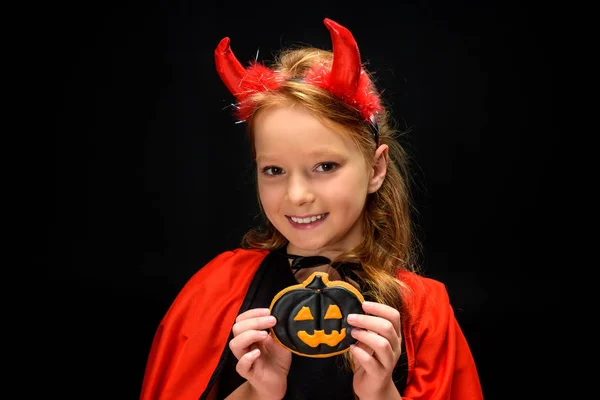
[308, 171]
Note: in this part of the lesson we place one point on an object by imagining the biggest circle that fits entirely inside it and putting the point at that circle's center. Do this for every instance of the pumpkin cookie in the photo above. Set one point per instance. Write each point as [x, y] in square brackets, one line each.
[311, 316]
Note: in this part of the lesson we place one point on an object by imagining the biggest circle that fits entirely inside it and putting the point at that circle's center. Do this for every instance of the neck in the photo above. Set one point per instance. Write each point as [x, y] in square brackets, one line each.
[303, 265]
[304, 273]
[329, 253]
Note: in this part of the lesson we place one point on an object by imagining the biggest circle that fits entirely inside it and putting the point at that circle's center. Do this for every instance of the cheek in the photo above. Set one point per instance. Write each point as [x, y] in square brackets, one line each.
[269, 197]
[347, 191]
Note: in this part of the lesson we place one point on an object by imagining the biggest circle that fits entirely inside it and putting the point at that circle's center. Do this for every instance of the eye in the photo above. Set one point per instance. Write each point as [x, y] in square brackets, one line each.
[333, 312]
[272, 171]
[304, 315]
[326, 167]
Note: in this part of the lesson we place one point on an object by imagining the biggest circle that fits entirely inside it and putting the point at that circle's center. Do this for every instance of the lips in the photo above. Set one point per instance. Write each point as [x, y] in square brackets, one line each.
[310, 225]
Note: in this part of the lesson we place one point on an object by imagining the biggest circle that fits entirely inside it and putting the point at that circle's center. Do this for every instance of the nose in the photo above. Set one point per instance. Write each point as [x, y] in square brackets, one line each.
[299, 191]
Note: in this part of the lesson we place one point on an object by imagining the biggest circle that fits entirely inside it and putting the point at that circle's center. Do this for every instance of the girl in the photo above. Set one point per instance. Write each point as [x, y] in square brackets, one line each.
[334, 188]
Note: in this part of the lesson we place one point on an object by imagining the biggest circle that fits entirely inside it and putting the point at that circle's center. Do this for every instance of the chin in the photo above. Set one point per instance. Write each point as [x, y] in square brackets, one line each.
[309, 245]
[304, 244]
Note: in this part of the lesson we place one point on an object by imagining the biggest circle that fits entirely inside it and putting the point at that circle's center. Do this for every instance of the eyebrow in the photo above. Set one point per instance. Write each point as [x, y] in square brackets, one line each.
[320, 153]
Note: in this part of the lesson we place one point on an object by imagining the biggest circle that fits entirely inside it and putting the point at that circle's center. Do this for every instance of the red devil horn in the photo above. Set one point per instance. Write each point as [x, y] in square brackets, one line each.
[229, 68]
[346, 68]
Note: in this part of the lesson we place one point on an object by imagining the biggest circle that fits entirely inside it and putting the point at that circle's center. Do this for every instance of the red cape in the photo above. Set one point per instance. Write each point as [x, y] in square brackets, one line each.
[194, 333]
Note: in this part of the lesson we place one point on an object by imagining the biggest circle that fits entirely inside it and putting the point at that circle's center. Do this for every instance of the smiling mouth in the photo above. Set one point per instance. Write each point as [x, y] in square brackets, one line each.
[320, 337]
[308, 220]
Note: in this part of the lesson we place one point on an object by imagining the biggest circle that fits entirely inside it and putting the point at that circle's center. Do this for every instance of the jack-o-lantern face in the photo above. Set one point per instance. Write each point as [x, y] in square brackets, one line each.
[311, 316]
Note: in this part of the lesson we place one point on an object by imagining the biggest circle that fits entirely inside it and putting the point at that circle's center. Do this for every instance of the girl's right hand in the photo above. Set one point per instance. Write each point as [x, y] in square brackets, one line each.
[262, 361]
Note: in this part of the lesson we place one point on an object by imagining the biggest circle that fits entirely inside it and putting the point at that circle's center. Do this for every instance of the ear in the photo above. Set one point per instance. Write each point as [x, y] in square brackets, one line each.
[379, 168]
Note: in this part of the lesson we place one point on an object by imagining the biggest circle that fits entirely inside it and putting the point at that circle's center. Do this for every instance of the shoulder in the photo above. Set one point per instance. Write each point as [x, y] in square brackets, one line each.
[226, 266]
[230, 261]
[426, 299]
[229, 272]
[422, 287]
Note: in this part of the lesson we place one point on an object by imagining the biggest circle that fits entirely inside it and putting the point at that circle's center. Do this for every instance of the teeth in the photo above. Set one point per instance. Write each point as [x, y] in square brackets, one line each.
[307, 220]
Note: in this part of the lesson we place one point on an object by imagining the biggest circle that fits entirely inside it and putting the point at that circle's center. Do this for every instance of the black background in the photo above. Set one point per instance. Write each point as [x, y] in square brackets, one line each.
[137, 175]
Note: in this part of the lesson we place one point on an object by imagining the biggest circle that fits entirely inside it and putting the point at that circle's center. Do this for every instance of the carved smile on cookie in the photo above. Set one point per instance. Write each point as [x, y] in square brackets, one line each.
[319, 336]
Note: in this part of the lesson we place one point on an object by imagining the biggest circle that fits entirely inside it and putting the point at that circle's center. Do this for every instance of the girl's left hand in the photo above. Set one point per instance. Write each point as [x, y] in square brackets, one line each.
[377, 350]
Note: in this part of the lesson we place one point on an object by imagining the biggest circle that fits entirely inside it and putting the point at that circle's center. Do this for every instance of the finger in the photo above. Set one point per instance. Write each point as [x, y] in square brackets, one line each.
[369, 363]
[276, 352]
[257, 324]
[366, 348]
[386, 312]
[378, 325]
[272, 345]
[240, 344]
[253, 313]
[382, 349]
[245, 363]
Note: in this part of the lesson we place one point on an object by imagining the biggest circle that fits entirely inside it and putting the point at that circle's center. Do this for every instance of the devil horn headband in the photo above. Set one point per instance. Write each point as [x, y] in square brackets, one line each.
[345, 78]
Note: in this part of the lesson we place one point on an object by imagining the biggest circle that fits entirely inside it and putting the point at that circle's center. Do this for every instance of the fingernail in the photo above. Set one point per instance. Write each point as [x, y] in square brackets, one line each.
[270, 319]
[352, 318]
